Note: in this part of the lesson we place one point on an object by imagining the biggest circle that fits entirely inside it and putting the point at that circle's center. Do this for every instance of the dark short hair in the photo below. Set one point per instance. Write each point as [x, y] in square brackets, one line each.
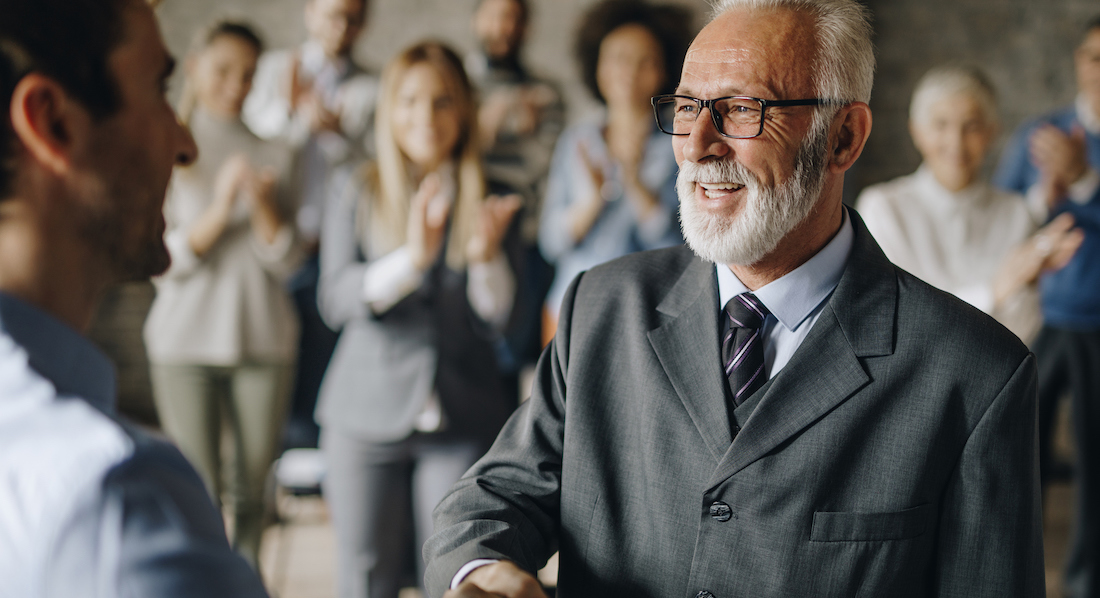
[524, 9]
[229, 28]
[670, 26]
[1090, 25]
[66, 40]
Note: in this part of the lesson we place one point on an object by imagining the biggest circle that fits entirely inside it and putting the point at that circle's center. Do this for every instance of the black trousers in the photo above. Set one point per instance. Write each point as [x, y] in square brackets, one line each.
[1069, 360]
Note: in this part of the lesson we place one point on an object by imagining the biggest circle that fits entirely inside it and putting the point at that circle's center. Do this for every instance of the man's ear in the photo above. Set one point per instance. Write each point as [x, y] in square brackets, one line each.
[48, 122]
[851, 127]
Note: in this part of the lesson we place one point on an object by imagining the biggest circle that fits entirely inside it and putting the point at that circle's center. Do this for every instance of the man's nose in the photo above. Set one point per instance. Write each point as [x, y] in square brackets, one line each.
[705, 141]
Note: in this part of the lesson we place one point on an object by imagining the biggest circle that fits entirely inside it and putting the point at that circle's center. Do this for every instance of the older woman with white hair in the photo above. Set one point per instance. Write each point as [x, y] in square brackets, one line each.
[947, 225]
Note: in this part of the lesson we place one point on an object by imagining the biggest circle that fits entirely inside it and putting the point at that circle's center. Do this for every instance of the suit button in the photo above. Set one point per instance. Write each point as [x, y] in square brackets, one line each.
[720, 511]
[704, 594]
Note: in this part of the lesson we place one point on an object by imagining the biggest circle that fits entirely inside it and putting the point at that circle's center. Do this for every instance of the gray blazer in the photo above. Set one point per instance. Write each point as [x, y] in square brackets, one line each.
[385, 365]
[894, 455]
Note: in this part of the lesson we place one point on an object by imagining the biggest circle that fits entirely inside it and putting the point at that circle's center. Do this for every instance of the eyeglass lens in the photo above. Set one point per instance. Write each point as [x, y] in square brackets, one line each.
[737, 117]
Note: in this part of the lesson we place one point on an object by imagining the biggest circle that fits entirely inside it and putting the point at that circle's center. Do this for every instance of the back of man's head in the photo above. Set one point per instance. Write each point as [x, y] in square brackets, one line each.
[66, 40]
[845, 66]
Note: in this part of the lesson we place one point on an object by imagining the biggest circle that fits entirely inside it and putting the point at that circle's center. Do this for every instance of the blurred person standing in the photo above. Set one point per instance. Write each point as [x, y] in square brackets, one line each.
[1055, 160]
[948, 227]
[222, 333]
[519, 118]
[89, 505]
[520, 115]
[413, 273]
[612, 187]
[319, 100]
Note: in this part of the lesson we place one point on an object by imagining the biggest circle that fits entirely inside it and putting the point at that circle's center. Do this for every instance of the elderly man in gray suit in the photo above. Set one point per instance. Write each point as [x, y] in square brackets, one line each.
[778, 411]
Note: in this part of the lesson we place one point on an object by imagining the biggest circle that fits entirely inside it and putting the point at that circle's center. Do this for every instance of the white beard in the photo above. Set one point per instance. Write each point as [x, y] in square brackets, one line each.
[768, 213]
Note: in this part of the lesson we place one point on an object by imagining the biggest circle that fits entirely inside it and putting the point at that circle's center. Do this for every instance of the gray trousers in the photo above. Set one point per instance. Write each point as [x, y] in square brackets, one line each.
[380, 497]
[190, 400]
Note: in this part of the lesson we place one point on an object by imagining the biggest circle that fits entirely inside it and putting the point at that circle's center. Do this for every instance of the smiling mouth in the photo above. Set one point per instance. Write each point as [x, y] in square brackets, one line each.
[716, 190]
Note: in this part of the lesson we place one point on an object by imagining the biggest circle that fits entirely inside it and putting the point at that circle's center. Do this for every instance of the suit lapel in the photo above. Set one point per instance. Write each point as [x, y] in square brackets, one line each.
[687, 347]
[857, 321]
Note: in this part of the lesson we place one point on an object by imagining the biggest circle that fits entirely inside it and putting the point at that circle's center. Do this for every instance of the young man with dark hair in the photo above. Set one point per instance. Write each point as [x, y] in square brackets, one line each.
[89, 506]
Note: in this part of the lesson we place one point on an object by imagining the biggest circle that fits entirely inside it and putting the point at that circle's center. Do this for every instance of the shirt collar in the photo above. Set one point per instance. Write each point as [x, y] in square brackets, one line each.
[933, 193]
[1085, 116]
[60, 354]
[794, 296]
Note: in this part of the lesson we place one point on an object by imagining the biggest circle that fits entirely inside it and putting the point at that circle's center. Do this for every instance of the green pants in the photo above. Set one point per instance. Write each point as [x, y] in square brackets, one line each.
[190, 401]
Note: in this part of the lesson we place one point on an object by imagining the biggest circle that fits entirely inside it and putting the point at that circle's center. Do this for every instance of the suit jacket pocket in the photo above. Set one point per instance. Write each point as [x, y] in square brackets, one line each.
[870, 527]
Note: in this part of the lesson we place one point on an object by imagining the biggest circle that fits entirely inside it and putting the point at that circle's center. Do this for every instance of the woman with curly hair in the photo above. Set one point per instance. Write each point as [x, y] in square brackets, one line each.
[612, 186]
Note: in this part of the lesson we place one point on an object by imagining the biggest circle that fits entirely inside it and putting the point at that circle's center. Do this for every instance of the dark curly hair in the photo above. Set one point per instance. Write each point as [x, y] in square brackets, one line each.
[670, 26]
[66, 40]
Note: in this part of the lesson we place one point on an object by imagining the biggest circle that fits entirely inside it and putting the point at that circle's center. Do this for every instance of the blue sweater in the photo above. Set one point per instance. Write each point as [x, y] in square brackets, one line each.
[1070, 296]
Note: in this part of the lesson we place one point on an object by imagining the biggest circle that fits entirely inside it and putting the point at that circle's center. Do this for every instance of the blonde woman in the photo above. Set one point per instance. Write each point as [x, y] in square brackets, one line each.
[413, 273]
[222, 334]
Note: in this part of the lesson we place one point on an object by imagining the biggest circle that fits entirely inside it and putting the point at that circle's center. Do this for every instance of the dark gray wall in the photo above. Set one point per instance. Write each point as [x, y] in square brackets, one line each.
[396, 24]
[1025, 45]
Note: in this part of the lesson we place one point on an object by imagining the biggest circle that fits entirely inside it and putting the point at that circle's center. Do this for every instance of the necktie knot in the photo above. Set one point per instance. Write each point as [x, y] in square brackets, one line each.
[746, 311]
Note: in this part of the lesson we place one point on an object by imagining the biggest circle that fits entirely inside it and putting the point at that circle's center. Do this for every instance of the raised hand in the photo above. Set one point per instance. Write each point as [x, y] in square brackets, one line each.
[495, 215]
[260, 193]
[584, 213]
[1060, 157]
[1051, 248]
[427, 222]
[228, 183]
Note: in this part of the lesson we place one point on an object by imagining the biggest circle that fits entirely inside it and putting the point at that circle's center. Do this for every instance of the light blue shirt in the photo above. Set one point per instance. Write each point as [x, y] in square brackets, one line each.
[795, 300]
[90, 506]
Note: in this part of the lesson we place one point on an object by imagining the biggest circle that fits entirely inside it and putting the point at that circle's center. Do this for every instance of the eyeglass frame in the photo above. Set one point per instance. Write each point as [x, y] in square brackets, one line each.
[715, 119]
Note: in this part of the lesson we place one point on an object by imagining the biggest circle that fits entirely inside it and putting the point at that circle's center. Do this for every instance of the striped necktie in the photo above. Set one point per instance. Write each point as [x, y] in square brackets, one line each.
[743, 347]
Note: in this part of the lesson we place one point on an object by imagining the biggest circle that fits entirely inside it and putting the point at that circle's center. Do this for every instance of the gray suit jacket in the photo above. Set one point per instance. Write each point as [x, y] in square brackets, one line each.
[894, 455]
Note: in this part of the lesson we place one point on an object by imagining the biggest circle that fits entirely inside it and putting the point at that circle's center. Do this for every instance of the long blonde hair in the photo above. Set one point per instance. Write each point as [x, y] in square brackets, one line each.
[388, 181]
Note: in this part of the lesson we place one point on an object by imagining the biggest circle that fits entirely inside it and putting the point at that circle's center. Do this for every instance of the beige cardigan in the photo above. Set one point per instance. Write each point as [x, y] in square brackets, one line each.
[229, 306]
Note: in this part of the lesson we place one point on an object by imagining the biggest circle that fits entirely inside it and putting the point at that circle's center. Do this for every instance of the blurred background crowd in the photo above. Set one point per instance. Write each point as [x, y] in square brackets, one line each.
[392, 197]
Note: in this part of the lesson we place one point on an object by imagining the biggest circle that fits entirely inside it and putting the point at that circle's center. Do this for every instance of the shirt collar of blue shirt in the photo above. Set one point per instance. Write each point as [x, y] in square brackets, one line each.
[794, 296]
[60, 354]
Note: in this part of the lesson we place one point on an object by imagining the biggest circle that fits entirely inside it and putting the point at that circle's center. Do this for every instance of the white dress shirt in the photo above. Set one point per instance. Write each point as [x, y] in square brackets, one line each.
[90, 506]
[955, 241]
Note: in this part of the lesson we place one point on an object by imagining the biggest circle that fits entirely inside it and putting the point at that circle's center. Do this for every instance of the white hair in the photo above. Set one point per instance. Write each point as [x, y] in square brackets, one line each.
[844, 69]
[947, 81]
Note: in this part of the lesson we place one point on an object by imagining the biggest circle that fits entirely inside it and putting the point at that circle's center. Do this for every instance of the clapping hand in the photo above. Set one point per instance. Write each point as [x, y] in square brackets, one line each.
[1049, 249]
[427, 222]
[495, 215]
[1060, 158]
[259, 191]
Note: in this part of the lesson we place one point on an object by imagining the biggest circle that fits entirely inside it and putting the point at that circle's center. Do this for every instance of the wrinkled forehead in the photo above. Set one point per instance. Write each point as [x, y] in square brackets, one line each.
[767, 53]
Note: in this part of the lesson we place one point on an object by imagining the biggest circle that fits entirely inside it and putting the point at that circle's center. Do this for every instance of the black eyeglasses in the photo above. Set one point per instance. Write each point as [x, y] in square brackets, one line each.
[738, 117]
